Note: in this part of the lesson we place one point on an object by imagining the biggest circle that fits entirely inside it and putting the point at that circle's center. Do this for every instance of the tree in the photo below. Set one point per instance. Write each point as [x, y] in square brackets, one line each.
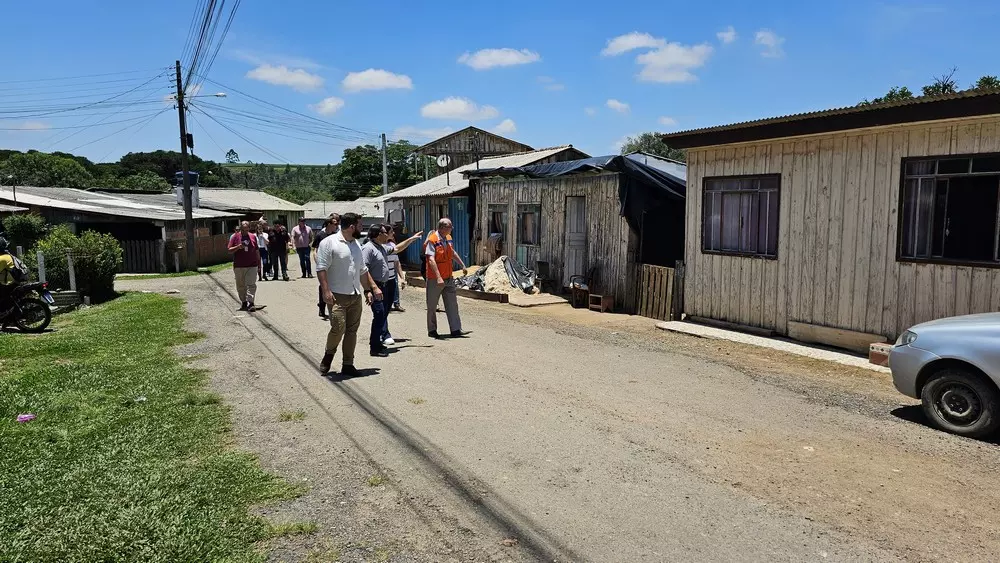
[894, 94]
[232, 157]
[358, 172]
[652, 143]
[24, 229]
[146, 181]
[46, 170]
[987, 83]
[944, 84]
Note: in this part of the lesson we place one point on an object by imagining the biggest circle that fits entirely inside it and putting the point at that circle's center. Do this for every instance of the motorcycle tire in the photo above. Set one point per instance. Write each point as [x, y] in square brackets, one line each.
[29, 304]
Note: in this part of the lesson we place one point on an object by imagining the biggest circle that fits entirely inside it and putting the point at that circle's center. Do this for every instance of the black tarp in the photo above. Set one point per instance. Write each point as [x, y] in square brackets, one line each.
[642, 187]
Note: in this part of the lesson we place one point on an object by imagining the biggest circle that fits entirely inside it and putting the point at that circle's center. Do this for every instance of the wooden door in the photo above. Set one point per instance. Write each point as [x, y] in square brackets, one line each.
[575, 261]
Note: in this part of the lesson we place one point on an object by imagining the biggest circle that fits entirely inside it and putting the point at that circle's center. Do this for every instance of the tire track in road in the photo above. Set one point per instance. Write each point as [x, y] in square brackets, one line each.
[474, 494]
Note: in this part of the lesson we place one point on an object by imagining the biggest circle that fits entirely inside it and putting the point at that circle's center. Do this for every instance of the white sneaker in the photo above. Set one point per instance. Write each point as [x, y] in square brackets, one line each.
[388, 342]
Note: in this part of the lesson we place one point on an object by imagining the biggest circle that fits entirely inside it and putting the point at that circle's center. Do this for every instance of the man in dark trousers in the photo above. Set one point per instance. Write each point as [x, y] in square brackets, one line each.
[278, 245]
[330, 226]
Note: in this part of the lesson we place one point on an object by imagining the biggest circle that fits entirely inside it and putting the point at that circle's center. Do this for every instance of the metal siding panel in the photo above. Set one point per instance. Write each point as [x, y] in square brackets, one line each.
[458, 212]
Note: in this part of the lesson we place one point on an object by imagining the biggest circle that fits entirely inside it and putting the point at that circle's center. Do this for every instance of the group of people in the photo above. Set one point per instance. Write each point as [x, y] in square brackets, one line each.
[351, 275]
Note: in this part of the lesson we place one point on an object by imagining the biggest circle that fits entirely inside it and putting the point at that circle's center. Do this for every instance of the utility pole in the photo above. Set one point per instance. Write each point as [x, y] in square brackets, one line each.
[192, 255]
[385, 169]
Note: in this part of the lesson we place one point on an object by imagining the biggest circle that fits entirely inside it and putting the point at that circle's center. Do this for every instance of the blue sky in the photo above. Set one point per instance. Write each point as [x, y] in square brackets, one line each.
[544, 73]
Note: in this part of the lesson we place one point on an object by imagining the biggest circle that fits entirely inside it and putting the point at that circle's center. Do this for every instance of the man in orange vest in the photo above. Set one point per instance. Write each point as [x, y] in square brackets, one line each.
[439, 253]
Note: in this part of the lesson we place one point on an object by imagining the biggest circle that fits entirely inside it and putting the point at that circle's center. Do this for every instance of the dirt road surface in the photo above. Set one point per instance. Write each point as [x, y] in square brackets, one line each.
[553, 434]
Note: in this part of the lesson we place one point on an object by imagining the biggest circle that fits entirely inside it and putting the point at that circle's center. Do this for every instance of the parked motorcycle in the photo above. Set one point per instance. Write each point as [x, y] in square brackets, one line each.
[28, 307]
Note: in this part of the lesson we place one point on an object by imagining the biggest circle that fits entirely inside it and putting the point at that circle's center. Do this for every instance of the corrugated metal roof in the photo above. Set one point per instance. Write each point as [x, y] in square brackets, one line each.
[11, 208]
[832, 112]
[455, 181]
[157, 207]
[674, 168]
[226, 199]
[364, 206]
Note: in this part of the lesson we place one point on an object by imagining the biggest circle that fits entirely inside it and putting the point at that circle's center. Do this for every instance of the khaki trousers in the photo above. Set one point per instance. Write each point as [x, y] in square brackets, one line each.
[436, 292]
[246, 283]
[345, 318]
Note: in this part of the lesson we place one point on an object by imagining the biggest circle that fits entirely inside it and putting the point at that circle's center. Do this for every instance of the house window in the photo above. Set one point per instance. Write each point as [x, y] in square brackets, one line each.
[217, 228]
[950, 209]
[529, 229]
[740, 215]
[498, 218]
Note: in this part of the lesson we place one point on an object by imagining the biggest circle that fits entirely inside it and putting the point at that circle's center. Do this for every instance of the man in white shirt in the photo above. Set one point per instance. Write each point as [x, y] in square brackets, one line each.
[342, 274]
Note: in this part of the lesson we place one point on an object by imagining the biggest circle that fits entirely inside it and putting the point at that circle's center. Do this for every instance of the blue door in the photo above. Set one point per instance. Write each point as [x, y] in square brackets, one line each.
[458, 212]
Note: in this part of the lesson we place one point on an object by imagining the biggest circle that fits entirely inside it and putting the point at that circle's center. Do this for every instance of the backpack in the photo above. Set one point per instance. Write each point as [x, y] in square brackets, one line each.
[18, 272]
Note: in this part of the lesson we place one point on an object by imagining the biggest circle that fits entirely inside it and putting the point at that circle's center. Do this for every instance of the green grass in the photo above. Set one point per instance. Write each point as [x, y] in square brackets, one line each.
[376, 481]
[293, 529]
[199, 271]
[128, 458]
[292, 416]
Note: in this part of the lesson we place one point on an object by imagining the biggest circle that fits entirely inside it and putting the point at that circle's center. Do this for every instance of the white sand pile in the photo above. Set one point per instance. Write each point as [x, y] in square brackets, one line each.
[496, 279]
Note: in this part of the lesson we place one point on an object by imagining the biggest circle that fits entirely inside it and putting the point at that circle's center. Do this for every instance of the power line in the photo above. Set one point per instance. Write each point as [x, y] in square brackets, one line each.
[300, 114]
[205, 130]
[48, 89]
[80, 126]
[92, 104]
[240, 135]
[134, 133]
[111, 134]
[305, 127]
[79, 76]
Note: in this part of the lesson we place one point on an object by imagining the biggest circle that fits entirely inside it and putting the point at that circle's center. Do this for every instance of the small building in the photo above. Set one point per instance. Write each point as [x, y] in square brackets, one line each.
[251, 205]
[150, 227]
[600, 218]
[6, 210]
[846, 225]
[469, 145]
[370, 210]
[449, 195]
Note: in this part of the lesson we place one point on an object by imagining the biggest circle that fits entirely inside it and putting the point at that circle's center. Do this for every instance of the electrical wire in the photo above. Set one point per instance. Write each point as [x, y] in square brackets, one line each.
[134, 133]
[305, 127]
[112, 133]
[241, 136]
[92, 104]
[205, 130]
[269, 104]
[222, 38]
[82, 126]
[79, 76]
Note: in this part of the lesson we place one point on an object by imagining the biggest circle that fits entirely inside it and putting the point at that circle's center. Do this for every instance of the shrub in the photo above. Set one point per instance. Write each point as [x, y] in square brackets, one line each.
[96, 259]
[23, 229]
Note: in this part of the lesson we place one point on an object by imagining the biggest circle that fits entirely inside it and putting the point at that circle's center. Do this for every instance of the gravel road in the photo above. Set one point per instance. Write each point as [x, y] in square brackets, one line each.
[552, 434]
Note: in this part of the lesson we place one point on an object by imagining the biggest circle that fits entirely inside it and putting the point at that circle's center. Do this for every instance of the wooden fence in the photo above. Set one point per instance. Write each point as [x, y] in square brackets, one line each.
[142, 256]
[659, 291]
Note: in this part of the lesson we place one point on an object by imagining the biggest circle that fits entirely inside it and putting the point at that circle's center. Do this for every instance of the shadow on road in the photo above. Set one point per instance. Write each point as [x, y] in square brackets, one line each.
[364, 372]
[915, 414]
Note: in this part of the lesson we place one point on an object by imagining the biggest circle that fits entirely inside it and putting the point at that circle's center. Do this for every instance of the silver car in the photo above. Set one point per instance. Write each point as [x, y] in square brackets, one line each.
[953, 366]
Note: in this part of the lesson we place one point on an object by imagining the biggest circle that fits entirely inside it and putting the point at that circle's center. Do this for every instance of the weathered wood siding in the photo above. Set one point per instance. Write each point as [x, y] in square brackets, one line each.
[837, 240]
[611, 244]
[463, 147]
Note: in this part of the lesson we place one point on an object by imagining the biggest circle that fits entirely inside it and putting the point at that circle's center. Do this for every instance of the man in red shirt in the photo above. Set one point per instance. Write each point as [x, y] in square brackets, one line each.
[246, 259]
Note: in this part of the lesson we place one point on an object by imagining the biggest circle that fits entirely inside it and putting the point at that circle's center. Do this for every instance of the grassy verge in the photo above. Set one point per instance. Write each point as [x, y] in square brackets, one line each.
[205, 270]
[128, 457]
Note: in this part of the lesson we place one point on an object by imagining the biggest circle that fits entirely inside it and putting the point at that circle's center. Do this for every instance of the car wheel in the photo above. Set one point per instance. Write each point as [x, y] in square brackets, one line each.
[961, 402]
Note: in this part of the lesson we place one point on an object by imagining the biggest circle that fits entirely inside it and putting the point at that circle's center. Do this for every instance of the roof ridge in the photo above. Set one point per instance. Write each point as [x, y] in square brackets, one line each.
[525, 152]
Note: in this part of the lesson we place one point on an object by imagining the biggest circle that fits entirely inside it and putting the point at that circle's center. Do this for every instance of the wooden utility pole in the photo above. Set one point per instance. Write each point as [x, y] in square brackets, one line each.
[192, 254]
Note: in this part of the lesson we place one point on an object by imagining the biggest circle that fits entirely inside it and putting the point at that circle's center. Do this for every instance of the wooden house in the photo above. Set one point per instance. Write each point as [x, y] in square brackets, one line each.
[846, 225]
[450, 195]
[469, 145]
[603, 216]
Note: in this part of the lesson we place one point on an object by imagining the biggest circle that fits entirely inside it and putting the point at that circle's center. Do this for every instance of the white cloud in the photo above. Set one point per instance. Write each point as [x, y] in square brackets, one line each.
[551, 84]
[327, 106]
[620, 107]
[771, 43]
[409, 132]
[258, 59]
[727, 36]
[32, 126]
[630, 42]
[485, 59]
[673, 62]
[591, 112]
[376, 79]
[281, 75]
[667, 121]
[462, 109]
[506, 127]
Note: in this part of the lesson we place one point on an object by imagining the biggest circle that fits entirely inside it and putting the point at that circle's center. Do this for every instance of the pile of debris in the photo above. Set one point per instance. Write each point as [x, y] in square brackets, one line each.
[505, 275]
